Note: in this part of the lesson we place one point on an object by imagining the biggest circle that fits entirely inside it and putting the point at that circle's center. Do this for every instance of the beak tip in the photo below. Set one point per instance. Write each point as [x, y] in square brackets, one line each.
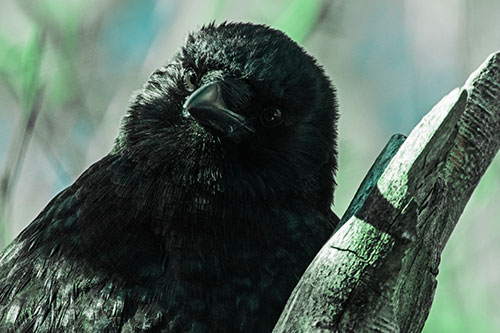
[185, 113]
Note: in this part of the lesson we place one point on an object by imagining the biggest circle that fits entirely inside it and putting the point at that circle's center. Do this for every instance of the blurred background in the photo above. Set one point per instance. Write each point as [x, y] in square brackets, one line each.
[67, 69]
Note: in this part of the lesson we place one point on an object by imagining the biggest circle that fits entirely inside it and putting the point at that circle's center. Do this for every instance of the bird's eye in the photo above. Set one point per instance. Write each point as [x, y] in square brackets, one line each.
[190, 79]
[271, 117]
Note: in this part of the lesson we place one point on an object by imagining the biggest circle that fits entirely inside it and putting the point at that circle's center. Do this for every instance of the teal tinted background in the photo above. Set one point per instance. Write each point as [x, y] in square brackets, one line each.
[390, 60]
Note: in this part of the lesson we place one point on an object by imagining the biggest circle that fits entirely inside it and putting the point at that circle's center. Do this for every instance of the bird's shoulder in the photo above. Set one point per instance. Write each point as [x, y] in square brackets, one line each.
[71, 270]
[49, 295]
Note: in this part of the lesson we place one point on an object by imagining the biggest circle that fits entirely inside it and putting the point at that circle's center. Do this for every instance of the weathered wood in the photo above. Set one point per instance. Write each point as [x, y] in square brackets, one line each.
[378, 271]
[370, 180]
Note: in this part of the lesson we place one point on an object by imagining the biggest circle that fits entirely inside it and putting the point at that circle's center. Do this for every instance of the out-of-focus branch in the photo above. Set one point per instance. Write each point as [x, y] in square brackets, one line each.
[14, 165]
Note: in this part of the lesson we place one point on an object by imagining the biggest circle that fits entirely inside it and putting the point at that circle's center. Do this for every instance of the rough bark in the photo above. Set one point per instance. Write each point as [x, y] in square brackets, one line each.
[378, 271]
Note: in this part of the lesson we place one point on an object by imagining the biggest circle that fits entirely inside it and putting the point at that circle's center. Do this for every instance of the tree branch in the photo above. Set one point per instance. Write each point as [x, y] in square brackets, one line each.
[378, 271]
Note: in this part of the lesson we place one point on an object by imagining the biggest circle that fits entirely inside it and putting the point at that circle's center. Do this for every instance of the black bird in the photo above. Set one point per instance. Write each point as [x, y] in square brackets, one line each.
[213, 201]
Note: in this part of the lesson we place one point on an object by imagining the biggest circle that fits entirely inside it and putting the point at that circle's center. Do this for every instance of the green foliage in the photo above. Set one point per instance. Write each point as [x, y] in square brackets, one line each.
[298, 19]
[30, 75]
[63, 20]
[10, 66]
[20, 67]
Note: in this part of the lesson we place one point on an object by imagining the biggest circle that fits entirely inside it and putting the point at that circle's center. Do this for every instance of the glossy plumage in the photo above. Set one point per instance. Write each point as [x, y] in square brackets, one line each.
[188, 226]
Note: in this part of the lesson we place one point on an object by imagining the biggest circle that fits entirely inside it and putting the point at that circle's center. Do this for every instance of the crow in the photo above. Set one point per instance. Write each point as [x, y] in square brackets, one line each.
[214, 199]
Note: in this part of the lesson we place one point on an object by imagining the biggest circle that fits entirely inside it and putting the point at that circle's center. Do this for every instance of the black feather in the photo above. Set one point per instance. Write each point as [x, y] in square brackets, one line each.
[182, 228]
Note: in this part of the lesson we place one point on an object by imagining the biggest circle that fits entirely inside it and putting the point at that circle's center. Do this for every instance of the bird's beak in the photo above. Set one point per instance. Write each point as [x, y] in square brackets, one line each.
[206, 105]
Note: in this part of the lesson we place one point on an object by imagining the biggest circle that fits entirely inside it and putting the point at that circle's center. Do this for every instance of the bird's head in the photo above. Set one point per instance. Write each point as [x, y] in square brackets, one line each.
[240, 103]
